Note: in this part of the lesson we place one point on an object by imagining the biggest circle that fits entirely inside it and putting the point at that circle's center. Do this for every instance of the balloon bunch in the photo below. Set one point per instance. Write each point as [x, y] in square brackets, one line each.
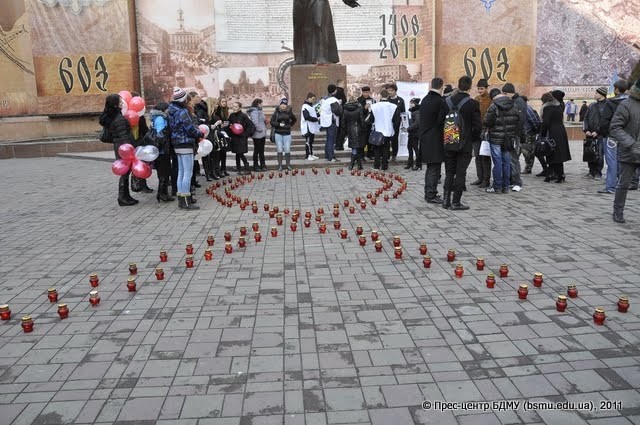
[204, 146]
[133, 107]
[134, 160]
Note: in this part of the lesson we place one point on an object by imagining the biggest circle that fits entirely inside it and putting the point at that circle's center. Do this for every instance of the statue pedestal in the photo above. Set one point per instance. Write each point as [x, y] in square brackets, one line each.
[314, 79]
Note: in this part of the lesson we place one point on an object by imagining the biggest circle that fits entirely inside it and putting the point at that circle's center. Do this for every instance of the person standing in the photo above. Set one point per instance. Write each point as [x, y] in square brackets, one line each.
[392, 89]
[431, 146]
[592, 129]
[553, 127]
[625, 128]
[583, 110]
[120, 131]
[483, 163]
[222, 112]
[355, 128]
[516, 178]
[309, 125]
[385, 115]
[364, 99]
[571, 110]
[183, 137]
[610, 144]
[414, 136]
[160, 123]
[330, 112]
[259, 136]
[240, 139]
[283, 120]
[456, 163]
[139, 131]
[502, 123]
[528, 147]
[194, 99]
[342, 132]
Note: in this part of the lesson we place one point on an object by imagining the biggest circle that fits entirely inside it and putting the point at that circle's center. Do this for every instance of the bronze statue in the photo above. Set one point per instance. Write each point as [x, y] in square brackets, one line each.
[314, 40]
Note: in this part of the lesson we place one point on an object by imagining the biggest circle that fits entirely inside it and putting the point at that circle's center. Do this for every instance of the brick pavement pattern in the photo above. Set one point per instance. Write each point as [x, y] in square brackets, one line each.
[310, 329]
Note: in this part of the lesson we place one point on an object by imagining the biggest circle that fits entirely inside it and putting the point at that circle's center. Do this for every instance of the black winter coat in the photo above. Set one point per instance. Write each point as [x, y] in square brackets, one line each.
[414, 127]
[469, 113]
[553, 127]
[120, 130]
[430, 128]
[240, 142]
[502, 120]
[283, 117]
[625, 128]
[355, 125]
[609, 109]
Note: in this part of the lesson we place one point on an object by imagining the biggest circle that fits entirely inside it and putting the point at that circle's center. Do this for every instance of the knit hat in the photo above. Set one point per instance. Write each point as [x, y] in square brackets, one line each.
[508, 88]
[602, 91]
[494, 92]
[483, 83]
[331, 88]
[558, 95]
[179, 95]
[284, 101]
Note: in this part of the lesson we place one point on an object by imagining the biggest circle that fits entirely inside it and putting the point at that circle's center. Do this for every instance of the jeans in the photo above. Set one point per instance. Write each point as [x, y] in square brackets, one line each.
[627, 171]
[283, 143]
[455, 166]
[258, 152]
[329, 146]
[185, 169]
[516, 180]
[308, 144]
[611, 158]
[431, 177]
[501, 167]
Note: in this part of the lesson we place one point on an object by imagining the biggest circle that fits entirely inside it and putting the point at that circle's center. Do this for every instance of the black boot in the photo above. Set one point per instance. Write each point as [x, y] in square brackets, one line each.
[352, 163]
[184, 204]
[287, 158]
[279, 155]
[163, 193]
[144, 187]
[135, 184]
[446, 200]
[359, 162]
[456, 204]
[409, 164]
[124, 199]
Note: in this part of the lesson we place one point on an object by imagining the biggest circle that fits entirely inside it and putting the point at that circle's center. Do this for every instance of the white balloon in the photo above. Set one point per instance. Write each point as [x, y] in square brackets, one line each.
[205, 147]
[147, 153]
[142, 112]
[125, 108]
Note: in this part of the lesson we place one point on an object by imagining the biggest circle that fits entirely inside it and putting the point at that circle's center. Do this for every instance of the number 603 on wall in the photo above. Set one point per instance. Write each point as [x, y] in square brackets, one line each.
[486, 64]
[83, 75]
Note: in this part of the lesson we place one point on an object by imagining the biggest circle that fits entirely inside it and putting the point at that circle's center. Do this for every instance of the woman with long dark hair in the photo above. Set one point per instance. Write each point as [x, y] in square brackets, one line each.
[240, 141]
[222, 112]
[120, 130]
[160, 123]
[553, 127]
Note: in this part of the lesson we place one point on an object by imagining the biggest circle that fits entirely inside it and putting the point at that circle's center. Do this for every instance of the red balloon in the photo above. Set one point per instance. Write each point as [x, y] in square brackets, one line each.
[141, 169]
[136, 104]
[127, 152]
[237, 128]
[120, 167]
[132, 117]
[125, 95]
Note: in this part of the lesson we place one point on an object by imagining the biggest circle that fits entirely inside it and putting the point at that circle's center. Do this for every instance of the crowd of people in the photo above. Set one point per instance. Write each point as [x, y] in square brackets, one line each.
[448, 126]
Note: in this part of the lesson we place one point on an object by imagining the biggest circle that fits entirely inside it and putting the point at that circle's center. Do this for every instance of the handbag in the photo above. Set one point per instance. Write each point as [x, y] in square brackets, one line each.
[376, 138]
[590, 150]
[545, 146]
[485, 148]
[105, 135]
[272, 135]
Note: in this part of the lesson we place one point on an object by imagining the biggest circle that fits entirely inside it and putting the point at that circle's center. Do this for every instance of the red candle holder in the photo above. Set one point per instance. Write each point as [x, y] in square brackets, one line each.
[423, 249]
[336, 212]
[293, 226]
[229, 203]
[228, 248]
[327, 170]
[131, 284]
[189, 261]
[378, 246]
[189, 249]
[323, 227]
[374, 201]
[242, 242]
[336, 224]
[358, 199]
[599, 316]
[451, 255]
[163, 256]
[398, 252]
[254, 209]
[459, 270]
[276, 209]
[523, 290]
[271, 174]
[307, 223]
[243, 207]
[272, 213]
[280, 174]
[320, 211]
[537, 280]
[274, 232]
[227, 236]
[314, 170]
[133, 269]
[374, 235]
[480, 264]
[302, 172]
[318, 218]
[369, 195]
[294, 217]
[257, 236]
[572, 291]
[266, 207]
[307, 215]
[491, 280]
[561, 303]
[395, 194]
[208, 254]
[159, 273]
[63, 311]
[345, 203]
[94, 298]
[362, 240]
[53, 295]
[386, 198]
[93, 280]
[426, 262]
[255, 226]
[359, 230]
[5, 312]
[623, 304]
[396, 241]
[279, 220]
[504, 270]
[297, 212]
[27, 324]
[363, 205]
[286, 211]
[352, 209]
[343, 233]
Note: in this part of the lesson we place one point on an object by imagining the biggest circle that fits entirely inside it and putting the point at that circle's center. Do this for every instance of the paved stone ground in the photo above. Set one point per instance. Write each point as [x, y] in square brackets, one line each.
[308, 328]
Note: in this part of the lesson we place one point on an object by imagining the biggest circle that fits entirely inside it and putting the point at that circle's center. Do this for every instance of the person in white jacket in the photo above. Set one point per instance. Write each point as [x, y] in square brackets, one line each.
[330, 111]
[385, 116]
[309, 125]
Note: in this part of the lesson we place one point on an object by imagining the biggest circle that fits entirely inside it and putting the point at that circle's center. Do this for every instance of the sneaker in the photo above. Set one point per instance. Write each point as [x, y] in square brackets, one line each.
[516, 188]
[491, 190]
[597, 178]
[314, 157]
[311, 158]
[587, 176]
[333, 160]
[606, 191]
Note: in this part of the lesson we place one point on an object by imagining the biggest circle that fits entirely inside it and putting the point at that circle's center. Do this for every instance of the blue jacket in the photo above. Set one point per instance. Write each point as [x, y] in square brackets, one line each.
[183, 133]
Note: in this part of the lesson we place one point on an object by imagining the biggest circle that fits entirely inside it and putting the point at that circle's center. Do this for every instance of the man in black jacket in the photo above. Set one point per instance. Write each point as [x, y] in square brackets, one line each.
[364, 99]
[431, 148]
[392, 89]
[592, 129]
[342, 97]
[610, 144]
[516, 179]
[456, 163]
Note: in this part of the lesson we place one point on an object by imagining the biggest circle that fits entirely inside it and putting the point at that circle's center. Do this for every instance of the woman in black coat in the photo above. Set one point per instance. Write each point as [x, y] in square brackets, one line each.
[222, 112]
[240, 142]
[120, 131]
[553, 127]
[356, 128]
[414, 136]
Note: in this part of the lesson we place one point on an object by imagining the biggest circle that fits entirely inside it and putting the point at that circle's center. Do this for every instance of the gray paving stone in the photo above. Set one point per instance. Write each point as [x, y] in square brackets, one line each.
[141, 409]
